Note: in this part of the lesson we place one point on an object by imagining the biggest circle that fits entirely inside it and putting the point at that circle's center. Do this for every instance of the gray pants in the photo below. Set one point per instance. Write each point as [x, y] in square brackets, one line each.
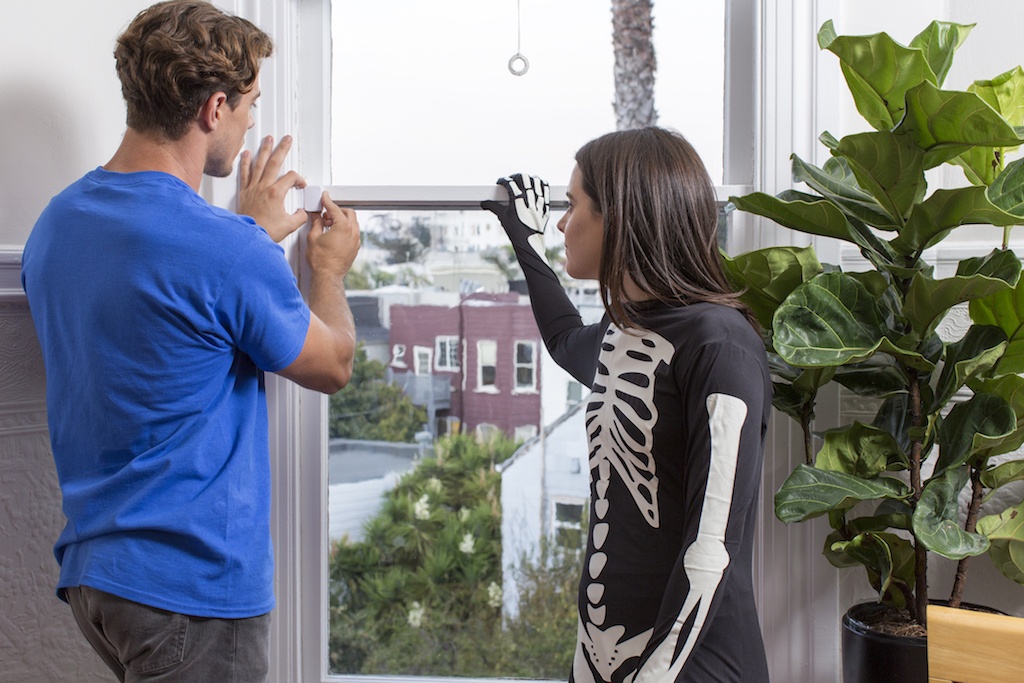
[141, 643]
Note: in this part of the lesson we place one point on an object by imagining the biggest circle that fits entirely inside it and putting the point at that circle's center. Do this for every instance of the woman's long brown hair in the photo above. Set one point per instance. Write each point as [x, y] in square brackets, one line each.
[660, 221]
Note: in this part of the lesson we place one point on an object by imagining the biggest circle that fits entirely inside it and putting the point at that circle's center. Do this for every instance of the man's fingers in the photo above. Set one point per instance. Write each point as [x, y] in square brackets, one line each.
[317, 228]
[335, 213]
[244, 168]
[276, 158]
[289, 180]
[297, 219]
[262, 156]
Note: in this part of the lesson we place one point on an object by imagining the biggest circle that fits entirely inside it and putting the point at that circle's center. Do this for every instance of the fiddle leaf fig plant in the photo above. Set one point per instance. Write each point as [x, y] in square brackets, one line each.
[950, 413]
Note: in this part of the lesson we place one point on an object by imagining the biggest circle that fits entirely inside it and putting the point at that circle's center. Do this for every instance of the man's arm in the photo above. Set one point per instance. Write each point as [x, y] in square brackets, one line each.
[325, 362]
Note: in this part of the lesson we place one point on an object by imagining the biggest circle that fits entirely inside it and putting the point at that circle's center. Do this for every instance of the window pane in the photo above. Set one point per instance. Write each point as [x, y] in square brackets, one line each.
[444, 560]
[447, 353]
[488, 351]
[423, 95]
[572, 514]
[450, 555]
[524, 353]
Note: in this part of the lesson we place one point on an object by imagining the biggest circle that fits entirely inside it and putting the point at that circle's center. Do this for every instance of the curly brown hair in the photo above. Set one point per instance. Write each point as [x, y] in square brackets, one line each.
[176, 54]
[660, 221]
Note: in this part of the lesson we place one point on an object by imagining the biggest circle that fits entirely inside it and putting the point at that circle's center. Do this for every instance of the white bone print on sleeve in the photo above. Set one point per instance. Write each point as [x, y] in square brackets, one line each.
[706, 559]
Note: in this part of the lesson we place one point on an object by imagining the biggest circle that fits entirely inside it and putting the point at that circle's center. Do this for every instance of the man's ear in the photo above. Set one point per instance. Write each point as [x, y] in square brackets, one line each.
[211, 110]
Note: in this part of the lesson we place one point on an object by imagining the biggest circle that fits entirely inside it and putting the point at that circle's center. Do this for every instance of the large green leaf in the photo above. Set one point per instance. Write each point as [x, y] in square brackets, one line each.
[937, 517]
[1010, 388]
[877, 377]
[836, 181]
[928, 300]
[1005, 532]
[1005, 94]
[1003, 474]
[938, 42]
[878, 71]
[982, 422]
[857, 449]
[975, 353]
[889, 167]
[945, 123]
[833, 319]
[1007, 191]
[796, 393]
[797, 211]
[888, 558]
[896, 514]
[894, 417]
[810, 492]
[767, 276]
[830, 320]
[1005, 310]
[934, 218]
[789, 401]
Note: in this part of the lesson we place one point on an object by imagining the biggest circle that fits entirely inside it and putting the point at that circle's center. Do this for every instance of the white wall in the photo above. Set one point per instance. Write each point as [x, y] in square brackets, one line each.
[61, 114]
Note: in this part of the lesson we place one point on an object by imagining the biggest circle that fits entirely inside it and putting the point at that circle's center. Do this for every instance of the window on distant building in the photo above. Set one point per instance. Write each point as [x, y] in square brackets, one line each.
[526, 365]
[568, 523]
[486, 365]
[421, 359]
[446, 353]
[398, 356]
[525, 432]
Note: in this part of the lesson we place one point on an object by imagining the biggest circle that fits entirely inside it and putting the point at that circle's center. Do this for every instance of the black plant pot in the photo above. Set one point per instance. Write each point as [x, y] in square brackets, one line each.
[871, 657]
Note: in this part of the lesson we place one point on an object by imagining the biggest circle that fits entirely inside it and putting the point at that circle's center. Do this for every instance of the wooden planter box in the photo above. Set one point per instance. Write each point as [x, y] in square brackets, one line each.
[965, 646]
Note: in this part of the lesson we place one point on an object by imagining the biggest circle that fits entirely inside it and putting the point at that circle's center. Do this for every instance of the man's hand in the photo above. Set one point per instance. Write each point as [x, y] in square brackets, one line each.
[525, 215]
[333, 240]
[325, 362]
[262, 192]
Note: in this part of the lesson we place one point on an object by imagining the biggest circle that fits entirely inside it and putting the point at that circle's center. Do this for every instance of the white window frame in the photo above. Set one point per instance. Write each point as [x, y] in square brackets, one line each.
[446, 349]
[422, 360]
[764, 38]
[516, 365]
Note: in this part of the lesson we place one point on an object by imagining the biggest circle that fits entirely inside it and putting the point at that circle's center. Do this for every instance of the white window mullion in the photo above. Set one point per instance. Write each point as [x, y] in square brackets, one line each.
[297, 72]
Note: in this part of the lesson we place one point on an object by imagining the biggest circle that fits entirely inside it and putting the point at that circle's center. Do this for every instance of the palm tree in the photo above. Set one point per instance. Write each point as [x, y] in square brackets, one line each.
[635, 64]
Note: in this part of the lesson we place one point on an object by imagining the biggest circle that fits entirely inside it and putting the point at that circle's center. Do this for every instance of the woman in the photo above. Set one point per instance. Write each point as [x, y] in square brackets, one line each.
[676, 421]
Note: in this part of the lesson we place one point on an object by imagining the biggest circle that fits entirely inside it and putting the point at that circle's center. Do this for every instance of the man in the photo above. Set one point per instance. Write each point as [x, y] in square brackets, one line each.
[157, 315]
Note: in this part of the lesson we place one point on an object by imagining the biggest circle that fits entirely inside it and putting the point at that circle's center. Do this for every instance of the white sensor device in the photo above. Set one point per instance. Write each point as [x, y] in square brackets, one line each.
[311, 198]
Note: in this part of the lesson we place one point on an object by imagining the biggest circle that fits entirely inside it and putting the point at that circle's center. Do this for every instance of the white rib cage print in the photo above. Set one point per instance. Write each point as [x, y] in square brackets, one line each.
[620, 422]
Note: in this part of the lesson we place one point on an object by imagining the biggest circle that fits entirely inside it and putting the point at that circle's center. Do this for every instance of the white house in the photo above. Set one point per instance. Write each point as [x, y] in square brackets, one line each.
[552, 467]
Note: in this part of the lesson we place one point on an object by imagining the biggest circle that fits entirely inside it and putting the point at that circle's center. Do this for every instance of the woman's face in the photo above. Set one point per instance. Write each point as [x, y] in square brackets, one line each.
[583, 228]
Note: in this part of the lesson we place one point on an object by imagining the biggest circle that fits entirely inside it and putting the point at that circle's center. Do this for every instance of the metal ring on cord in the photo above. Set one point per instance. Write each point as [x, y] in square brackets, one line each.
[519, 64]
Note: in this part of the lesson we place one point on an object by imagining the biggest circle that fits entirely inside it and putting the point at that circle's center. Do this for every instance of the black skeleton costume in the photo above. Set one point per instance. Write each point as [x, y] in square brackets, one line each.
[676, 424]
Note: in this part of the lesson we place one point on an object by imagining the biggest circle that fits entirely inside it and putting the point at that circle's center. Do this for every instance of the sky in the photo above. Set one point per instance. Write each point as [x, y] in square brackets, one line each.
[422, 94]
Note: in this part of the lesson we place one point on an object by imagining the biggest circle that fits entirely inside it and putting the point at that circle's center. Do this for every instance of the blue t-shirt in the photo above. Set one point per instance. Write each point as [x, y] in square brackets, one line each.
[157, 315]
